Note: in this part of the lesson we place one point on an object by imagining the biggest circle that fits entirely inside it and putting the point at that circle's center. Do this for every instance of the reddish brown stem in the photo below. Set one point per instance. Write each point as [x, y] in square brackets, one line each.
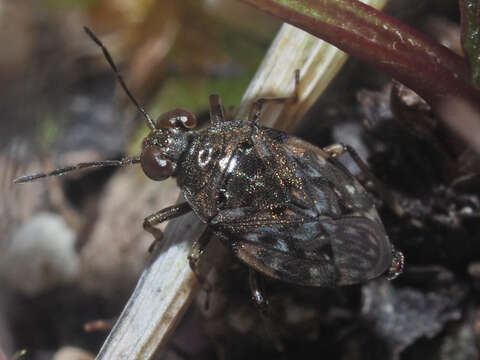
[470, 21]
[433, 71]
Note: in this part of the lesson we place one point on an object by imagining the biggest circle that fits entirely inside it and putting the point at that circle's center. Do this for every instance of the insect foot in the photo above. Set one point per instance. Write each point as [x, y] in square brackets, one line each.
[398, 262]
[258, 295]
[161, 216]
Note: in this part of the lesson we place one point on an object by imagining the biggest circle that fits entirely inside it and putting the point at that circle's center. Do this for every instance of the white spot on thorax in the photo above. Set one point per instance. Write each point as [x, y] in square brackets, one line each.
[204, 156]
[223, 162]
[350, 189]
[232, 165]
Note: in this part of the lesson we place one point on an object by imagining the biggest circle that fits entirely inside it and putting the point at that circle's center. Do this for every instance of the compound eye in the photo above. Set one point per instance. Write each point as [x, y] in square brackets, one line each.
[154, 165]
[177, 117]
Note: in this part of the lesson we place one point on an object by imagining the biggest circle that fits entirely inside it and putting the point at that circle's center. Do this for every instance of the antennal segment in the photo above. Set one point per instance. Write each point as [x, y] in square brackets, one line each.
[79, 166]
[149, 121]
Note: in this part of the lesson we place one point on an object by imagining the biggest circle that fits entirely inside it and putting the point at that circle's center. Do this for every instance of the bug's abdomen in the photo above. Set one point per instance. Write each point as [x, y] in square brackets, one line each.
[292, 214]
[315, 252]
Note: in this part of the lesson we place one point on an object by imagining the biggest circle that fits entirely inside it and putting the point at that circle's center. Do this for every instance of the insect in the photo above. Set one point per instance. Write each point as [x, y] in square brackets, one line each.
[286, 208]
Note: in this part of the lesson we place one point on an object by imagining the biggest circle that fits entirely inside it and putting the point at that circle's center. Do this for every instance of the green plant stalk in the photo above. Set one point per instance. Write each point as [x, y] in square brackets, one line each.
[470, 16]
[433, 71]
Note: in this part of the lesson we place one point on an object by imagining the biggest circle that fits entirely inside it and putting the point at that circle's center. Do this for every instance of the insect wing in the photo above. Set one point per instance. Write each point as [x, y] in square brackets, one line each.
[326, 252]
[288, 247]
[327, 232]
[360, 248]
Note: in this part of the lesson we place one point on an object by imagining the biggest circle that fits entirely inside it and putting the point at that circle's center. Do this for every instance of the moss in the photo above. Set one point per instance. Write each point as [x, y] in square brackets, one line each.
[48, 130]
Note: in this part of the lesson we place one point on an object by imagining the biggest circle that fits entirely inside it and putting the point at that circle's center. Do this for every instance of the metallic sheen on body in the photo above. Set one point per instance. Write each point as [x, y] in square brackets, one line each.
[282, 205]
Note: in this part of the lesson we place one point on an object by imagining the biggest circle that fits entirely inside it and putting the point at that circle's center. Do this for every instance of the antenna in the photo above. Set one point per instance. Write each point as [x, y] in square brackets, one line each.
[149, 121]
[79, 166]
[104, 163]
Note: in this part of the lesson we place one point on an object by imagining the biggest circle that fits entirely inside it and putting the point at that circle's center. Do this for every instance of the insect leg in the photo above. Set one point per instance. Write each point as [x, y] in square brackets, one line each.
[335, 150]
[217, 113]
[230, 113]
[258, 104]
[257, 292]
[197, 250]
[161, 216]
[262, 304]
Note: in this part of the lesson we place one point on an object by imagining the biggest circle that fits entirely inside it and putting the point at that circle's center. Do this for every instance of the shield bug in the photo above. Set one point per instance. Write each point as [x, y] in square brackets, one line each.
[286, 208]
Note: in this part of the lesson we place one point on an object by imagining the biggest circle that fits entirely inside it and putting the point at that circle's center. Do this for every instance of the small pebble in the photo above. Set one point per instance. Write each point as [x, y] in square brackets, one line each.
[40, 255]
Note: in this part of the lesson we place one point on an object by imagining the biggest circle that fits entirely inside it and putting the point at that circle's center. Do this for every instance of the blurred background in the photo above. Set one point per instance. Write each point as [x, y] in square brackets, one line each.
[72, 248]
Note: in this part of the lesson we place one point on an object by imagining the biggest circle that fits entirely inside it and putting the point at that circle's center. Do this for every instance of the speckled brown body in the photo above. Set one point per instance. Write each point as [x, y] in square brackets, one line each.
[284, 206]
